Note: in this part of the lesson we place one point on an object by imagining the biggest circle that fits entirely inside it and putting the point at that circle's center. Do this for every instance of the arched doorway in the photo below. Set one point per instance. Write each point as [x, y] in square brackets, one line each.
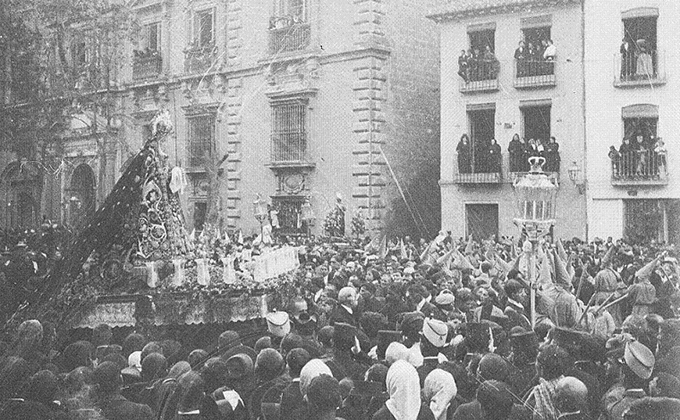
[81, 196]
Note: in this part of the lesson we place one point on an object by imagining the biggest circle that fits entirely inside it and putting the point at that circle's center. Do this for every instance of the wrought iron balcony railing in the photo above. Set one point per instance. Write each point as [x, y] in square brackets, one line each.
[286, 36]
[639, 167]
[534, 74]
[144, 67]
[288, 148]
[479, 76]
[637, 68]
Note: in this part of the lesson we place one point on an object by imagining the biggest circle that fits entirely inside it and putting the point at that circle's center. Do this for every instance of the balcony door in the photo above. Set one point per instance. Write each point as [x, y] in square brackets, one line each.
[482, 123]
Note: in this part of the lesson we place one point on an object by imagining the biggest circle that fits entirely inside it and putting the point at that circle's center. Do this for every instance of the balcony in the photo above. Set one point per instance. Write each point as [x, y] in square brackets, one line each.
[478, 178]
[479, 76]
[477, 171]
[289, 150]
[286, 35]
[639, 168]
[531, 74]
[639, 69]
[200, 59]
[146, 65]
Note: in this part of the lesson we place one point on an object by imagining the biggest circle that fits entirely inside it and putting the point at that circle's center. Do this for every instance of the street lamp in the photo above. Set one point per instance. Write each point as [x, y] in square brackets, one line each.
[260, 210]
[535, 195]
[307, 214]
[575, 177]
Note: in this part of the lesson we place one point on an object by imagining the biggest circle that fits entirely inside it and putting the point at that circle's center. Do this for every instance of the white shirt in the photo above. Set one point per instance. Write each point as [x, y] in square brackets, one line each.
[550, 51]
[348, 309]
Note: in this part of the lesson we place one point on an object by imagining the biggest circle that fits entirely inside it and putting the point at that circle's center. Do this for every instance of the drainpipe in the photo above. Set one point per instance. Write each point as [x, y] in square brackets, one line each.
[583, 113]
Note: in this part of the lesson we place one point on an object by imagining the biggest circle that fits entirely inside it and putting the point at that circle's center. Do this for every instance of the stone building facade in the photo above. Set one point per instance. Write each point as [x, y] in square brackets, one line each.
[297, 101]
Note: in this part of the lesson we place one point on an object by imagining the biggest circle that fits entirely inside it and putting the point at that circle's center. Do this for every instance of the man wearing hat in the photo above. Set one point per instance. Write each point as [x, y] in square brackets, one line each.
[444, 302]
[345, 310]
[435, 334]
[229, 344]
[638, 367]
[524, 346]
[108, 381]
[278, 325]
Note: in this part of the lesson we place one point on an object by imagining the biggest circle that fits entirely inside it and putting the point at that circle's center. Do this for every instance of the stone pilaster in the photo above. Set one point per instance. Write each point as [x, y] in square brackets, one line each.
[369, 87]
[234, 40]
[234, 101]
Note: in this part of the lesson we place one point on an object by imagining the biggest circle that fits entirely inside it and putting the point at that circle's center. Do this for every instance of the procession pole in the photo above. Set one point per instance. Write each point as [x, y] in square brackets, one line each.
[532, 283]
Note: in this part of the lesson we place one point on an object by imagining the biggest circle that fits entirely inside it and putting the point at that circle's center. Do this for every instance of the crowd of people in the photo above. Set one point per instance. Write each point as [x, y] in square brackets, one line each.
[644, 157]
[485, 156]
[409, 330]
[535, 60]
[475, 65]
[480, 63]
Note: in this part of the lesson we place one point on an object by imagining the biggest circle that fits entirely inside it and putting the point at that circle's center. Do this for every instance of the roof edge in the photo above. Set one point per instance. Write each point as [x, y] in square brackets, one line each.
[444, 15]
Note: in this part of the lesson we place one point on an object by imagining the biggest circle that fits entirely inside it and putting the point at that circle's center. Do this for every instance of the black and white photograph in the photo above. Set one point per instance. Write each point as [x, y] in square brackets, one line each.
[339, 210]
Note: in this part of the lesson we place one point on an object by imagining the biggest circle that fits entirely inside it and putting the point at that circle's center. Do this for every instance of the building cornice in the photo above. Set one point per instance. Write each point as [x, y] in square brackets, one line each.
[454, 12]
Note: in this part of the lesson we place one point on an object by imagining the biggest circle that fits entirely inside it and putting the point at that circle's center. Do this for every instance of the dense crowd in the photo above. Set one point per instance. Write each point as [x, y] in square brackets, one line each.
[442, 330]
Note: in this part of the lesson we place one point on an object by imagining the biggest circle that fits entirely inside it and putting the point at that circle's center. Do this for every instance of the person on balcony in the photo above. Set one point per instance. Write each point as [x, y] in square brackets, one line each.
[615, 157]
[494, 156]
[521, 58]
[540, 148]
[481, 158]
[644, 67]
[464, 66]
[549, 55]
[491, 64]
[552, 155]
[464, 155]
[642, 149]
[627, 59]
[532, 60]
[627, 152]
[516, 152]
[660, 153]
[475, 64]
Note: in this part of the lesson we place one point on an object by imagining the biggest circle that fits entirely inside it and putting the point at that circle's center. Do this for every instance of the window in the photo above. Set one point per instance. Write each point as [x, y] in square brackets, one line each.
[482, 221]
[289, 143]
[483, 64]
[639, 54]
[295, 10]
[151, 37]
[479, 40]
[201, 139]
[204, 27]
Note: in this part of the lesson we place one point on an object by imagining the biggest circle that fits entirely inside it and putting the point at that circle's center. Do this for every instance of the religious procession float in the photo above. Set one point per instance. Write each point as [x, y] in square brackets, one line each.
[135, 265]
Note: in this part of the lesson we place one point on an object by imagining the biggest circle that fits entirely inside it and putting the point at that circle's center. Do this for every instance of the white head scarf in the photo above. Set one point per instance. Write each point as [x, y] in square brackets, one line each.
[440, 389]
[395, 351]
[311, 370]
[403, 386]
[135, 359]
